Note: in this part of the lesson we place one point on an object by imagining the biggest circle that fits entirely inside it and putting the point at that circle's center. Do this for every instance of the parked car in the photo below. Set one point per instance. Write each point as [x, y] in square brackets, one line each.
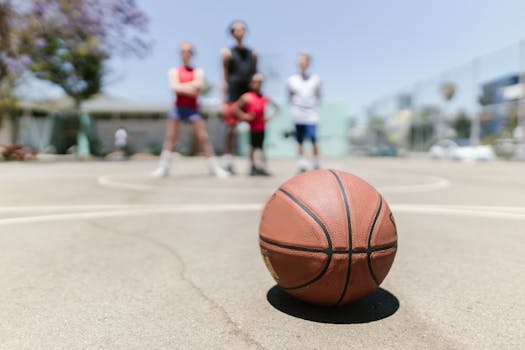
[448, 149]
[383, 150]
[443, 149]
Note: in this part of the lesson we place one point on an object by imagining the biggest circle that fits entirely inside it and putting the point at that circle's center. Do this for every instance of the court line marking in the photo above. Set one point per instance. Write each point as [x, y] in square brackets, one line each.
[197, 207]
[436, 183]
[512, 213]
[69, 208]
[110, 181]
[180, 209]
[105, 180]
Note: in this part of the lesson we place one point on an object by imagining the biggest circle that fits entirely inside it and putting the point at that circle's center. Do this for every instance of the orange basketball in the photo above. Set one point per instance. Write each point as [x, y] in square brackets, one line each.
[327, 237]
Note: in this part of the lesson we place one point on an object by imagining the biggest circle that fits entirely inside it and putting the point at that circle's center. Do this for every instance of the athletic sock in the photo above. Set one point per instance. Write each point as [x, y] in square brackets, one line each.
[164, 165]
[215, 169]
[165, 159]
[302, 163]
[258, 159]
[316, 162]
[228, 159]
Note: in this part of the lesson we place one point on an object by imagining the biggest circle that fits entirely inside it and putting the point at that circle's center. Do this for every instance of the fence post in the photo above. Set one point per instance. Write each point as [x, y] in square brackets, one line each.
[475, 127]
[521, 82]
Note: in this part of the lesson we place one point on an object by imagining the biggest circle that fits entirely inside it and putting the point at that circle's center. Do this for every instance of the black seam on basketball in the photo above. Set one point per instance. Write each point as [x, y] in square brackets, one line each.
[393, 223]
[349, 225]
[374, 249]
[365, 251]
[369, 250]
[325, 230]
[312, 215]
[325, 251]
[291, 247]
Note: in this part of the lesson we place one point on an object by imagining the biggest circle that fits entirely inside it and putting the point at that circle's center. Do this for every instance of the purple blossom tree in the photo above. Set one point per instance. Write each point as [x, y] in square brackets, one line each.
[71, 41]
[13, 60]
[67, 42]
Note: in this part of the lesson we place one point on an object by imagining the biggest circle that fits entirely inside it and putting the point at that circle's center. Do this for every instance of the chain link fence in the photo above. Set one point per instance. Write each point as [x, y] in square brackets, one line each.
[477, 103]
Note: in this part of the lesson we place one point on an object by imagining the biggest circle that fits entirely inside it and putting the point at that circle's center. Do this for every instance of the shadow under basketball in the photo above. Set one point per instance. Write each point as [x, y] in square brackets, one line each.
[374, 307]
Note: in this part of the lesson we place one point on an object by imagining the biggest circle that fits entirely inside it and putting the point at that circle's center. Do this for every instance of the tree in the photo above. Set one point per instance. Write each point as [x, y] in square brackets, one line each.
[13, 60]
[69, 43]
[462, 125]
[76, 38]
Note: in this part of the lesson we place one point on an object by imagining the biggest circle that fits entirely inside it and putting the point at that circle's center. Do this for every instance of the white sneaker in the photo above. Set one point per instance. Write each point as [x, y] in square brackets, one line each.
[302, 165]
[160, 172]
[220, 172]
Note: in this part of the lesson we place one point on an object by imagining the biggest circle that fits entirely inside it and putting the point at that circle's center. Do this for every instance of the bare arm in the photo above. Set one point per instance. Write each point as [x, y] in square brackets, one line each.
[191, 88]
[276, 109]
[255, 60]
[226, 57]
[198, 81]
[318, 93]
[289, 92]
[238, 109]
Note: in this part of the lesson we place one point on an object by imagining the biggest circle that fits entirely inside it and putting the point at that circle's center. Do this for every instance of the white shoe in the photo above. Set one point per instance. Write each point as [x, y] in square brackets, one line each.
[302, 165]
[220, 172]
[160, 172]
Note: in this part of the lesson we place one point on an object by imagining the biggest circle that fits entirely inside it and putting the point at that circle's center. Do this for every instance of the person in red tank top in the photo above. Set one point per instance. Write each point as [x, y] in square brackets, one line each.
[187, 83]
[251, 108]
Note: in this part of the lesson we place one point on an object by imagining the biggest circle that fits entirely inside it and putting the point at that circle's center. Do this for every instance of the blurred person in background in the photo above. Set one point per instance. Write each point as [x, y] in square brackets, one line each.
[251, 108]
[304, 96]
[186, 82]
[239, 65]
[121, 141]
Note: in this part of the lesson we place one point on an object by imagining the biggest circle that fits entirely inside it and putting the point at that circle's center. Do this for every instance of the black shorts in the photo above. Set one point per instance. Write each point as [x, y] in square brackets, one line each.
[237, 89]
[257, 139]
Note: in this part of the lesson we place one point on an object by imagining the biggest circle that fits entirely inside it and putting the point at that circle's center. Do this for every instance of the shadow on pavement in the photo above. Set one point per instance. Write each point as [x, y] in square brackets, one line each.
[374, 307]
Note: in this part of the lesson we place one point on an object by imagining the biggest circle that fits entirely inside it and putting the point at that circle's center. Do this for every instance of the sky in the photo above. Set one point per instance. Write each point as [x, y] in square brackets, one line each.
[361, 49]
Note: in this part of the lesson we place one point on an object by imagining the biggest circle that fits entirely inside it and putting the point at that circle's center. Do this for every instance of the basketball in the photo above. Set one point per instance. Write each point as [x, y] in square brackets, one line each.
[327, 237]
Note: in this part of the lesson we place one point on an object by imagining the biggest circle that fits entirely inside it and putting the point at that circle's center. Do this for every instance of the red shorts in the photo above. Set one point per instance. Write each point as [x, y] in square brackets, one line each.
[228, 115]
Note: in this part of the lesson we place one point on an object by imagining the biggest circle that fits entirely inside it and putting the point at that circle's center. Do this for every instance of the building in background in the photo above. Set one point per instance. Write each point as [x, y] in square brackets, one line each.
[332, 132]
[50, 127]
[499, 102]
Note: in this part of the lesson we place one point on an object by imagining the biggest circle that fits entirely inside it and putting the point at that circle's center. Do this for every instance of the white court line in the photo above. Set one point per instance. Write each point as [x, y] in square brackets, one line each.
[91, 207]
[512, 213]
[105, 180]
[69, 208]
[108, 181]
[180, 209]
[436, 184]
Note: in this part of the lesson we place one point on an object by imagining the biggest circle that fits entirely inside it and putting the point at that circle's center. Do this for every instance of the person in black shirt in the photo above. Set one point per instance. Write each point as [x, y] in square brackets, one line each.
[239, 65]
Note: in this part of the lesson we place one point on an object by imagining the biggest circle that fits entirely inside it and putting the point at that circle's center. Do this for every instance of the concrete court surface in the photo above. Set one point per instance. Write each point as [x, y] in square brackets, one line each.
[95, 255]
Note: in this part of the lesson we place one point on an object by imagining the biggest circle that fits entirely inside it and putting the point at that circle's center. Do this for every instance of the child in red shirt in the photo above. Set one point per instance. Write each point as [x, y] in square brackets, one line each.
[251, 108]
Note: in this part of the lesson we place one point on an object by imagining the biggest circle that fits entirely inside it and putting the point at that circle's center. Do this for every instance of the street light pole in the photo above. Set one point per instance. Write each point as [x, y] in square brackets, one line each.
[475, 127]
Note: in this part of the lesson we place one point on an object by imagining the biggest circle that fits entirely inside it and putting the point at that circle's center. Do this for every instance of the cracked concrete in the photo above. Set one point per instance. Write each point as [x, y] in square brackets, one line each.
[195, 280]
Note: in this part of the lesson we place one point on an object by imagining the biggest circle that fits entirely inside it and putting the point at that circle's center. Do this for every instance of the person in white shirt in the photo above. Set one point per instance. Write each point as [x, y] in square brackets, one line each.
[121, 138]
[304, 96]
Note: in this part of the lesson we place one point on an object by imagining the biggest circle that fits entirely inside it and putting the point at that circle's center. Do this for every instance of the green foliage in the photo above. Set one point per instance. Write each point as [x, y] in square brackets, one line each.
[79, 73]
[461, 125]
[448, 90]
[208, 88]
[421, 134]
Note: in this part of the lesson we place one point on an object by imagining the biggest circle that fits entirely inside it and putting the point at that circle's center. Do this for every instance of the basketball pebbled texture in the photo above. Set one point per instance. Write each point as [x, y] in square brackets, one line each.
[327, 237]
